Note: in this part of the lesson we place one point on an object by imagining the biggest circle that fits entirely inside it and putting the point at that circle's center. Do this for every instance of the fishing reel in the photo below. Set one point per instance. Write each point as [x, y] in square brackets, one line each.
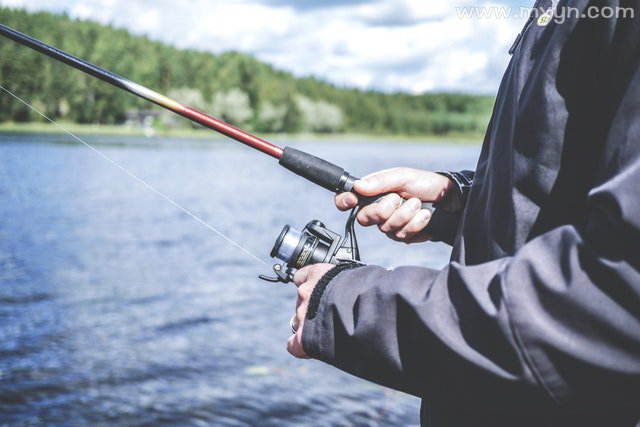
[315, 244]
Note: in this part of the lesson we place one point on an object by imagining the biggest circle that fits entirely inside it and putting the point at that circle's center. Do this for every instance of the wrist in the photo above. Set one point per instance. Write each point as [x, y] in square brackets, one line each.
[458, 187]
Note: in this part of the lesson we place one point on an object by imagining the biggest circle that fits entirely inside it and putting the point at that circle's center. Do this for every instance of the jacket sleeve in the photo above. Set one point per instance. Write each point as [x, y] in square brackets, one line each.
[559, 321]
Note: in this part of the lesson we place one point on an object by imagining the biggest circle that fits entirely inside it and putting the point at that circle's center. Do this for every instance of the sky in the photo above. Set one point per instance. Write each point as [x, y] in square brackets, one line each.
[390, 45]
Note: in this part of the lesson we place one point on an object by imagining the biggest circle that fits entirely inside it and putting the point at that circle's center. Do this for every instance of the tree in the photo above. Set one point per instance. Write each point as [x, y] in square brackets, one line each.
[232, 106]
[319, 116]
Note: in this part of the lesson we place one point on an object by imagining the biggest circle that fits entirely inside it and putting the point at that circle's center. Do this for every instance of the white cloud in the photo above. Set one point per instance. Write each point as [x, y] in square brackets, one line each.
[409, 45]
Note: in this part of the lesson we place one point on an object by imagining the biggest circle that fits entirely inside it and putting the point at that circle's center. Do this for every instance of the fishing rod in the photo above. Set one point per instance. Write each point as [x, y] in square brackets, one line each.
[315, 243]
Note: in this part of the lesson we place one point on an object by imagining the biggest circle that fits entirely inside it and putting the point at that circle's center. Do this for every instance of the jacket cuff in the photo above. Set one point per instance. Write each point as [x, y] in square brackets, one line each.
[463, 181]
[443, 226]
[318, 291]
[445, 219]
[312, 331]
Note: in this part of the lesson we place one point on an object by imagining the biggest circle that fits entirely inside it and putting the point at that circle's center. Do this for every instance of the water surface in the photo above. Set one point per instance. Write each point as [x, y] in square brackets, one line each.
[117, 308]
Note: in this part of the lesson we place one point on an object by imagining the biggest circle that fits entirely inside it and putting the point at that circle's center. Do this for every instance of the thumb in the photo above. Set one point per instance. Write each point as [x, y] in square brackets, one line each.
[386, 181]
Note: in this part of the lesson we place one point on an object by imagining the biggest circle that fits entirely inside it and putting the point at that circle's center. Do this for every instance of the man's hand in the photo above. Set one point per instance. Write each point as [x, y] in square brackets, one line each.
[305, 279]
[399, 221]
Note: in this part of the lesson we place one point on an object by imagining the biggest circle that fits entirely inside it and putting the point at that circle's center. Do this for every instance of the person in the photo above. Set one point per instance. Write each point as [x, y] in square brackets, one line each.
[536, 320]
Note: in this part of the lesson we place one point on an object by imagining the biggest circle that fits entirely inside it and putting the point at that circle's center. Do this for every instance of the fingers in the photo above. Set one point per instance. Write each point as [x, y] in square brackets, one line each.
[380, 212]
[400, 221]
[311, 274]
[294, 346]
[416, 225]
[346, 201]
[402, 216]
[294, 343]
[306, 280]
[410, 233]
[301, 313]
[301, 275]
[380, 182]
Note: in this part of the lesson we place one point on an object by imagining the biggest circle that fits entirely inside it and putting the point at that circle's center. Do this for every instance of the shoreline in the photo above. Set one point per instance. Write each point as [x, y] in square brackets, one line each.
[127, 131]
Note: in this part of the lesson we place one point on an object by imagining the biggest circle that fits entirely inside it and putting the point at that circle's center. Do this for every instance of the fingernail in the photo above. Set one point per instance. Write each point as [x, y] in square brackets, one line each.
[364, 183]
[416, 204]
[424, 215]
[348, 202]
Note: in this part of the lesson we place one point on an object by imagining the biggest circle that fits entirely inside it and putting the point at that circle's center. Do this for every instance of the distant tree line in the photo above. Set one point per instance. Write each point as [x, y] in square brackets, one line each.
[232, 86]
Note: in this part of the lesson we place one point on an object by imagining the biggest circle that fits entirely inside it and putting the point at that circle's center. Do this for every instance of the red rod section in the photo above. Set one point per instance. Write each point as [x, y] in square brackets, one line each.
[232, 132]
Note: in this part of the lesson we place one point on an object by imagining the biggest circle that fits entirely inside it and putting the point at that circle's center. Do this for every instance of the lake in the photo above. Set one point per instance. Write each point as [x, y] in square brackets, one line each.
[118, 308]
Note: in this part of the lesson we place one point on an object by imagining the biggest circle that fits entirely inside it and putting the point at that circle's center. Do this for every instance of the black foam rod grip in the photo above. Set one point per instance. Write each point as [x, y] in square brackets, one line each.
[315, 169]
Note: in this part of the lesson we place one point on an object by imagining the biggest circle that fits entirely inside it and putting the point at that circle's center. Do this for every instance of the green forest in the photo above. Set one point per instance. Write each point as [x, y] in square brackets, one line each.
[232, 86]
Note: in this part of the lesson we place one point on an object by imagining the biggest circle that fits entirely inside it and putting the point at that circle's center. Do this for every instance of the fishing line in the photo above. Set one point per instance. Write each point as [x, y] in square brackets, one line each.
[136, 177]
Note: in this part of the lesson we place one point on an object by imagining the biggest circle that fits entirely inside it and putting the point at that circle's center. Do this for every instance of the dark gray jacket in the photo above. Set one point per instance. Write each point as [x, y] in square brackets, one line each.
[536, 321]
